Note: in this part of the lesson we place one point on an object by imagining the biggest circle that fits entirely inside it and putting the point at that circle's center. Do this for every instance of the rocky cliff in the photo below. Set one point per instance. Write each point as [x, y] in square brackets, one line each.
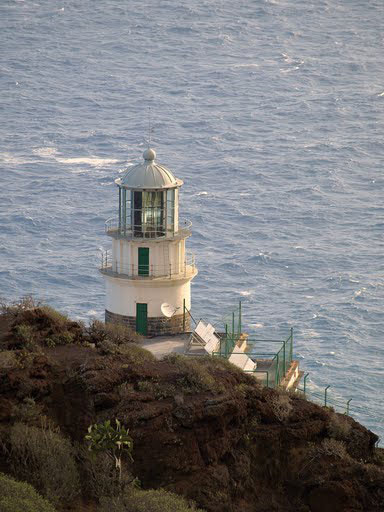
[201, 428]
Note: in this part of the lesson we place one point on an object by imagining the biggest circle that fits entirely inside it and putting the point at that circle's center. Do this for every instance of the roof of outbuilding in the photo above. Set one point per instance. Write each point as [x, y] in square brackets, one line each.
[148, 175]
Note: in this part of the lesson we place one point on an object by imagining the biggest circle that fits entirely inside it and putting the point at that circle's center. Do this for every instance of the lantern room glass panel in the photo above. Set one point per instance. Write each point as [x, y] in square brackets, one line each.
[147, 215]
[171, 211]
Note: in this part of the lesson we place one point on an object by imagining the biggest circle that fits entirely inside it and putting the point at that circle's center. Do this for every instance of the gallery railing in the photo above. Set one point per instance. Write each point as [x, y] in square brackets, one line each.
[182, 269]
[146, 229]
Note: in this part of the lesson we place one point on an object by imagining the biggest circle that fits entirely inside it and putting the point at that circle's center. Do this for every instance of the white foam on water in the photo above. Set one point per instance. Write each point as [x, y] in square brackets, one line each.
[92, 161]
[10, 159]
[45, 152]
[310, 333]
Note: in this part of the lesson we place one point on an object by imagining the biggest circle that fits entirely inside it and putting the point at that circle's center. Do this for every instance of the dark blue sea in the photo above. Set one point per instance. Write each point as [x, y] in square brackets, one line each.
[272, 114]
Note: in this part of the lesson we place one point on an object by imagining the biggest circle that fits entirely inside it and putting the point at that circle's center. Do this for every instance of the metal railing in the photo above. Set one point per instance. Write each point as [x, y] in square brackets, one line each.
[146, 230]
[232, 331]
[325, 397]
[146, 271]
[272, 366]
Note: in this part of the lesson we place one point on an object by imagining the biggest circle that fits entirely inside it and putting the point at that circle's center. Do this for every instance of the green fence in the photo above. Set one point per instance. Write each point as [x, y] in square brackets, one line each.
[276, 363]
[325, 398]
[232, 331]
[272, 366]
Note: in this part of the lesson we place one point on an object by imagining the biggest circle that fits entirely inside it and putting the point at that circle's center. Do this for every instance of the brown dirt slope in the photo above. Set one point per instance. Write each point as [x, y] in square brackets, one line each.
[200, 427]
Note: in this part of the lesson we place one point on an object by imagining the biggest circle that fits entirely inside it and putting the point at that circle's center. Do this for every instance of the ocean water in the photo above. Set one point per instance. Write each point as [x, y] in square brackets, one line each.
[271, 112]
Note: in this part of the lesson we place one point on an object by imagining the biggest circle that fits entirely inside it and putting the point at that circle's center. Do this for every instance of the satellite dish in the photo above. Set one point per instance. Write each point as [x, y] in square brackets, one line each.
[168, 310]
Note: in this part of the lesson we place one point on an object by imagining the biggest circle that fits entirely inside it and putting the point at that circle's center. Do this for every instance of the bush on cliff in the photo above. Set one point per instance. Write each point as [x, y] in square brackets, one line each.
[46, 460]
[20, 497]
[194, 373]
[118, 334]
[147, 501]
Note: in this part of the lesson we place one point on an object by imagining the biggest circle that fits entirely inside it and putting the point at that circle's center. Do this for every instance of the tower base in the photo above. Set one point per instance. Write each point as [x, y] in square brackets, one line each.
[156, 326]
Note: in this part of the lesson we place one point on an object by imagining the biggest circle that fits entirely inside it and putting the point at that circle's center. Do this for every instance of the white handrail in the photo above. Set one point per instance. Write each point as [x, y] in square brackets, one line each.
[186, 268]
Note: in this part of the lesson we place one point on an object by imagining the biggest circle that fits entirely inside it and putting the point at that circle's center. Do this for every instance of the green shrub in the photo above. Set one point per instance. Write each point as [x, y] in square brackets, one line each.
[24, 333]
[195, 373]
[136, 355]
[20, 497]
[147, 501]
[222, 363]
[161, 390]
[45, 459]
[27, 411]
[146, 385]
[118, 334]
[62, 338]
[54, 316]
[339, 427]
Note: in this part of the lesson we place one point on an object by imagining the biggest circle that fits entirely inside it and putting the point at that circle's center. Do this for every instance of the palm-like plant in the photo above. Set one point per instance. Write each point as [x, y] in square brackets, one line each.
[112, 440]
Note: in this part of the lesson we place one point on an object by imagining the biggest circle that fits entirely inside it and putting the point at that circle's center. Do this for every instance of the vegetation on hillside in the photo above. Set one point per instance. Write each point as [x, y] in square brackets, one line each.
[90, 419]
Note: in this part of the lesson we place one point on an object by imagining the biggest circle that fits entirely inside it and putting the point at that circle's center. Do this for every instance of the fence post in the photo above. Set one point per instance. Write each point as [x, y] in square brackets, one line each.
[284, 357]
[325, 395]
[239, 317]
[226, 340]
[183, 315]
[291, 347]
[233, 329]
[277, 379]
[305, 383]
[347, 411]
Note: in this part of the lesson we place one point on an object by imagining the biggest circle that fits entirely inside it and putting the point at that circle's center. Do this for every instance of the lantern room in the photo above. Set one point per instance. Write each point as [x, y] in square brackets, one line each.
[148, 200]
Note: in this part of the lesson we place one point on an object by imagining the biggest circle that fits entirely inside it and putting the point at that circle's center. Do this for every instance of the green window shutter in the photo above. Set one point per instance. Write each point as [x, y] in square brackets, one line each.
[143, 259]
[141, 319]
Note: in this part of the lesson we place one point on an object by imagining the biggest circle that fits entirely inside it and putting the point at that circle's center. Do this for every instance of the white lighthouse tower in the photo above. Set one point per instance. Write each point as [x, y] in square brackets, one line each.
[148, 265]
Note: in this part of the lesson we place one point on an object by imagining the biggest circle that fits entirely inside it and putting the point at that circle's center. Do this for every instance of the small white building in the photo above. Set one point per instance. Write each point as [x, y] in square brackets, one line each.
[148, 265]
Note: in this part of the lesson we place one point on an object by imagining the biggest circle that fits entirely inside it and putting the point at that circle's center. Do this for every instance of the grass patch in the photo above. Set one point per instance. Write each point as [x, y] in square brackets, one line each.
[339, 427]
[281, 405]
[21, 497]
[334, 448]
[148, 501]
[45, 459]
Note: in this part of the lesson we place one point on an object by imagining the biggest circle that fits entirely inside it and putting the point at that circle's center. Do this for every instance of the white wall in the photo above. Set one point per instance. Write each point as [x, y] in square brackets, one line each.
[162, 254]
[123, 294]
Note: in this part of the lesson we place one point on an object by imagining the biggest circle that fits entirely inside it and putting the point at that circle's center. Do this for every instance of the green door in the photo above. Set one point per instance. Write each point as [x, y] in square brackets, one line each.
[141, 319]
[143, 261]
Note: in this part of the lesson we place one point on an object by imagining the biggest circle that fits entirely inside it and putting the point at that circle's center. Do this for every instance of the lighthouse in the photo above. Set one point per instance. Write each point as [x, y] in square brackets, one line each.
[148, 271]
